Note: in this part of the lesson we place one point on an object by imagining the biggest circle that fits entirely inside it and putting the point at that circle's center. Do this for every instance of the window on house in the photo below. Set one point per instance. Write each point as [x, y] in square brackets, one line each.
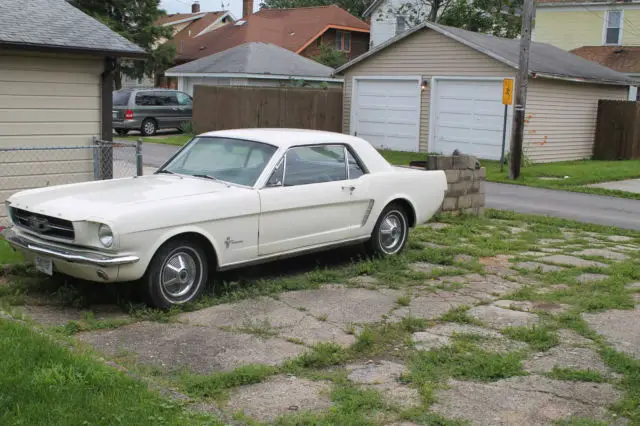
[401, 25]
[343, 41]
[613, 34]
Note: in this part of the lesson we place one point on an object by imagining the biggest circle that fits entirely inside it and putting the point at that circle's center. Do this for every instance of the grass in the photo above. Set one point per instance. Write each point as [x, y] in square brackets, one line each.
[580, 173]
[540, 338]
[460, 316]
[216, 385]
[50, 385]
[176, 140]
[7, 255]
[576, 375]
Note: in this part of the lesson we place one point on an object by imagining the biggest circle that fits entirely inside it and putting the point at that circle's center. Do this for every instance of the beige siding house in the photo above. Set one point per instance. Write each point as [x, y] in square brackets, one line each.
[438, 89]
[55, 91]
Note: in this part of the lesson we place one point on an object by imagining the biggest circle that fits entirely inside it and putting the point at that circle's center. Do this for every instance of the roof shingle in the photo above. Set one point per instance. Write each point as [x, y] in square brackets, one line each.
[625, 59]
[57, 24]
[291, 29]
[545, 60]
[199, 23]
[255, 58]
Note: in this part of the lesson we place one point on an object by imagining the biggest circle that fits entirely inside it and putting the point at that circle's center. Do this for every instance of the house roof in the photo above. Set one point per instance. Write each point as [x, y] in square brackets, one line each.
[195, 23]
[55, 24]
[545, 60]
[292, 29]
[254, 58]
[624, 59]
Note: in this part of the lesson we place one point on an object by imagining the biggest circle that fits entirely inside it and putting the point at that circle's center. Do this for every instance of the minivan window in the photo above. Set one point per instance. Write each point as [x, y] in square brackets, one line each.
[184, 99]
[145, 99]
[166, 98]
[121, 98]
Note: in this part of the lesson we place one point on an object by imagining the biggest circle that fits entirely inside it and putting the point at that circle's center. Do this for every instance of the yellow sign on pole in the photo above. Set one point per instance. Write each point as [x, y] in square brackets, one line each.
[507, 91]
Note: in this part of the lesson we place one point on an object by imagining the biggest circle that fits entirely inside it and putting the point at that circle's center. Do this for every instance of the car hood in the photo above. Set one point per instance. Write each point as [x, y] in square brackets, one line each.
[110, 198]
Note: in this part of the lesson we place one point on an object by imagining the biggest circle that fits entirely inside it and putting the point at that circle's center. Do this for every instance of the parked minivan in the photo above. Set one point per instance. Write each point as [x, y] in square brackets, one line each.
[149, 110]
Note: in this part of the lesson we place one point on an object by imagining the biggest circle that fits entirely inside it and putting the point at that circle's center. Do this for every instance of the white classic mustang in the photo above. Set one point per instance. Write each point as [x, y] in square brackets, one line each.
[225, 200]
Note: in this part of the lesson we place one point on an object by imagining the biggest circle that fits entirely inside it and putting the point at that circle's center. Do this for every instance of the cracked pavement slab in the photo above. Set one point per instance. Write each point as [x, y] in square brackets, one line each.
[525, 400]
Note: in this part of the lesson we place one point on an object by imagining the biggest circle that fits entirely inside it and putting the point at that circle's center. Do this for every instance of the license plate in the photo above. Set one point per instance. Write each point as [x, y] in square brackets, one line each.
[44, 265]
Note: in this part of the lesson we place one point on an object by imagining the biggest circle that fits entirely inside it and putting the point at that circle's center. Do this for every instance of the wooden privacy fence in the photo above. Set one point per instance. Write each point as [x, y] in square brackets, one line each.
[219, 108]
[617, 131]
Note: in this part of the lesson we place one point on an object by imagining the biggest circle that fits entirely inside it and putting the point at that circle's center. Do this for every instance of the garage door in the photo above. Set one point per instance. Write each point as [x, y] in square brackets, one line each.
[387, 113]
[468, 116]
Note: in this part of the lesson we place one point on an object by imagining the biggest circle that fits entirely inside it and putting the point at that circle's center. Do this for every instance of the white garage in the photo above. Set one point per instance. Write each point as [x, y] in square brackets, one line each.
[387, 112]
[439, 89]
[468, 115]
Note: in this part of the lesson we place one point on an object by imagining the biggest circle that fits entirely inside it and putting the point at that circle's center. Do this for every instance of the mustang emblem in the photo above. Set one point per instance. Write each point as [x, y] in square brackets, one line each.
[229, 241]
[38, 224]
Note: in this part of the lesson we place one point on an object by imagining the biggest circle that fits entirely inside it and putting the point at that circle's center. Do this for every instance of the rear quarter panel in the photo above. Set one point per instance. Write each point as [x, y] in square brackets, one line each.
[424, 190]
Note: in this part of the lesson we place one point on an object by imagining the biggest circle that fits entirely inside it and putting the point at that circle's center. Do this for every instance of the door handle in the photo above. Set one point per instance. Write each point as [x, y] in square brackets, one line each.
[350, 188]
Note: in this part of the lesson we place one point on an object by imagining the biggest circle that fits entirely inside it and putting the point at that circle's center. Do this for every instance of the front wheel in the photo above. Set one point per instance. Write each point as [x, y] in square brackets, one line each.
[390, 234]
[177, 274]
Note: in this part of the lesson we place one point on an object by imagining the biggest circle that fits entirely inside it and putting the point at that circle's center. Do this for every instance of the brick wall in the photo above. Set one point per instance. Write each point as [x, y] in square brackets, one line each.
[465, 181]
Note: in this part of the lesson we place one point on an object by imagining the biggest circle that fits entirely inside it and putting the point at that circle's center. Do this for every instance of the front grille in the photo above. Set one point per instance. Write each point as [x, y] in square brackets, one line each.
[46, 226]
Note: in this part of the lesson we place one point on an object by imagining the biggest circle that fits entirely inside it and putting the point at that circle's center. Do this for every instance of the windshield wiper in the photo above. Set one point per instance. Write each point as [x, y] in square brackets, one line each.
[165, 171]
[205, 177]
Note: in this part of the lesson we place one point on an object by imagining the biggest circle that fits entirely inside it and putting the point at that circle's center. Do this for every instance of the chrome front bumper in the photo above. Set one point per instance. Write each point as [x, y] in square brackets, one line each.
[37, 246]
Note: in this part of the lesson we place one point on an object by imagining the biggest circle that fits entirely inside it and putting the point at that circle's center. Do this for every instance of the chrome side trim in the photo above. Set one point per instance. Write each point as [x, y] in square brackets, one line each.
[67, 254]
[292, 253]
[367, 213]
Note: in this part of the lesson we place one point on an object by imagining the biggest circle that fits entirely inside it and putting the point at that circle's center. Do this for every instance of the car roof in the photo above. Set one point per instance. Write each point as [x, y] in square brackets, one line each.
[286, 138]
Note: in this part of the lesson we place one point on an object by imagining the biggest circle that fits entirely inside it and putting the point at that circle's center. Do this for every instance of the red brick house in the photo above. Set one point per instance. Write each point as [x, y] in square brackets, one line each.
[300, 30]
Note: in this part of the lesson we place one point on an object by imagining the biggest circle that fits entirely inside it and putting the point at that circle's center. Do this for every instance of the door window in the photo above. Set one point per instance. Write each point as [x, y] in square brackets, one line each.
[184, 99]
[355, 169]
[166, 99]
[145, 99]
[315, 164]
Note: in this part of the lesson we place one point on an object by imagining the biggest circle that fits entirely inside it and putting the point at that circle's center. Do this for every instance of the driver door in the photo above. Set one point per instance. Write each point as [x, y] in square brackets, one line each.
[307, 201]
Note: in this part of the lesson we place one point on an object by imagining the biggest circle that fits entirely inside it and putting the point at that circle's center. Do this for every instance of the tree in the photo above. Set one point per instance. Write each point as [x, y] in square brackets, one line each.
[331, 56]
[354, 7]
[134, 20]
[497, 17]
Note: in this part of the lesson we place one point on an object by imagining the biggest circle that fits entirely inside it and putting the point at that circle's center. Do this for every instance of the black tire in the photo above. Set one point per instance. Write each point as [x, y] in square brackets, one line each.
[122, 132]
[393, 221]
[187, 260]
[149, 127]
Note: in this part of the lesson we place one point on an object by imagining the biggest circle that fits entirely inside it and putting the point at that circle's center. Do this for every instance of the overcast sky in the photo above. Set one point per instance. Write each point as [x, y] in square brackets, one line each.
[184, 6]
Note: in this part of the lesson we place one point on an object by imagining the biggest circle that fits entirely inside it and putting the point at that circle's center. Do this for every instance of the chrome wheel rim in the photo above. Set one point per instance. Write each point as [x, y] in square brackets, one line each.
[181, 273]
[392, 232]
[149, 127]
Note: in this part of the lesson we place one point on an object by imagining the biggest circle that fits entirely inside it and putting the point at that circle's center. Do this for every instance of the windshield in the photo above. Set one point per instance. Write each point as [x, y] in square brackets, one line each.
[230, 160]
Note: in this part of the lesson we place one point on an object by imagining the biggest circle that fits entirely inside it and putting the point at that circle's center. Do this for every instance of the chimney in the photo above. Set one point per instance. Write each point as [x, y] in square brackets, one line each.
[195, 7]
[247, 8]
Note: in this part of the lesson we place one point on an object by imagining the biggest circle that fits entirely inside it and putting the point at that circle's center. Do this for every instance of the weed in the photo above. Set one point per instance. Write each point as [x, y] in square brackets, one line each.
[321, 355]
[540, 338]
[262, 329]
[215, 385]
[459, 315]
[403, 300]
[576, 375]
[323, 317]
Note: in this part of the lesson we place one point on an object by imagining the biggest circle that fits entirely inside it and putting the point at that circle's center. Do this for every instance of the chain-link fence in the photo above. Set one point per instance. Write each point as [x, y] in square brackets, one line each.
[36, 167]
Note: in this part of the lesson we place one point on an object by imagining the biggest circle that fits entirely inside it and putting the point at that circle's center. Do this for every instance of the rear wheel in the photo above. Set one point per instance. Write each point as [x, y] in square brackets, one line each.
[390, 234]
[149, 127]
[177, 274]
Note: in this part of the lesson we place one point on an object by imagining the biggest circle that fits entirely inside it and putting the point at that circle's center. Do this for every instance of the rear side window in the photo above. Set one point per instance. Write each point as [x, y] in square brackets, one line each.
[166, 98]
[145, 99]
[121, 98]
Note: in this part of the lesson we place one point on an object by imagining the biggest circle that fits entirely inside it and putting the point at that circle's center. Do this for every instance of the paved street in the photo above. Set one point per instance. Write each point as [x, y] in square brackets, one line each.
[570, 205]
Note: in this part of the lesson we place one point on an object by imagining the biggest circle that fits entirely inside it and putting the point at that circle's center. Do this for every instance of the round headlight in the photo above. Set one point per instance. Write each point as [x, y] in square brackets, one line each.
[105, 235]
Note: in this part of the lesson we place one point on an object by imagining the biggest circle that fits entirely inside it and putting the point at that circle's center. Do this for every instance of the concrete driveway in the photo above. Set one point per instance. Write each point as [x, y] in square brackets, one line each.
[569, 205]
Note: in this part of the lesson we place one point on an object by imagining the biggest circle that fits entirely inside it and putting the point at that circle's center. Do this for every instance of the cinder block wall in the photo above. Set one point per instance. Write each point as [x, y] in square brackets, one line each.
[466, 181]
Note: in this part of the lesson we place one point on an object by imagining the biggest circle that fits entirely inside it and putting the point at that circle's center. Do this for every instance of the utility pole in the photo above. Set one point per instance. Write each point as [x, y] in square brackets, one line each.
[521, 91]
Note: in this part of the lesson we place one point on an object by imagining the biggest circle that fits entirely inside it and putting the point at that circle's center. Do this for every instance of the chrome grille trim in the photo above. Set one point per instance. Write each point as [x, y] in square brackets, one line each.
[45, 226]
